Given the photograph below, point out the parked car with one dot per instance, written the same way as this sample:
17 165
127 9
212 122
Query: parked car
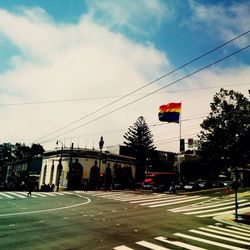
191 186
226 183
203 184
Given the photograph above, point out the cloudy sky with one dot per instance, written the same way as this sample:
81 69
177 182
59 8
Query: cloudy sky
77 70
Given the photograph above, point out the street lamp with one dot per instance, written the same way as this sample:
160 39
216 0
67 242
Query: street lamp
59 166
101 143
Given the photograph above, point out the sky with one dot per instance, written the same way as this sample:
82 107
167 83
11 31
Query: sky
77 70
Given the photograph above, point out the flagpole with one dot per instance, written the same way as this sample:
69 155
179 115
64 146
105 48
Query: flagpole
179 158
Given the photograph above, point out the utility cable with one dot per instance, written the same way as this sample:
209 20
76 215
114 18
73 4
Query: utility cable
157 79
109 97
151 93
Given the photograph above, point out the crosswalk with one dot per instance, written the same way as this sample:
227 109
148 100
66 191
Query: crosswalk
211 208
151 200
23 195
197 205
210 237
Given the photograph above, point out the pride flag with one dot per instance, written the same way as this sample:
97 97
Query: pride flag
170 112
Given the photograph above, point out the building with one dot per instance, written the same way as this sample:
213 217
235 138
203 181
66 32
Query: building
64 168
18 173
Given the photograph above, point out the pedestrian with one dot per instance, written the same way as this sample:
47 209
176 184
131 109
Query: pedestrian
94 177
30 187
85 186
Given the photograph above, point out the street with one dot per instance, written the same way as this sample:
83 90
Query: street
119 220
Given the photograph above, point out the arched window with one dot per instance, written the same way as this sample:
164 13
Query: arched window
52 172
44 173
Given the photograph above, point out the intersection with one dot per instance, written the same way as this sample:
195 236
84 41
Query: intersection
119 220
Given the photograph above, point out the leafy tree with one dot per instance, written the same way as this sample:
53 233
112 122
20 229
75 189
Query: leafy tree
140 141
224 139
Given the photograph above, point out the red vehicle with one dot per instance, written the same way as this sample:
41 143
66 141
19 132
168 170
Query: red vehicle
159 181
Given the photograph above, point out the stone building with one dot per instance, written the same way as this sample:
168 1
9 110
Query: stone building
67 169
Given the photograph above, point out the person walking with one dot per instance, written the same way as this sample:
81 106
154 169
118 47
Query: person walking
30 187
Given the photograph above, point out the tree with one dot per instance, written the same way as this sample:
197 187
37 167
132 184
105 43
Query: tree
140 141
224 139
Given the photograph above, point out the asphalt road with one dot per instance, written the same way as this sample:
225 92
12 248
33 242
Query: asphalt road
105 220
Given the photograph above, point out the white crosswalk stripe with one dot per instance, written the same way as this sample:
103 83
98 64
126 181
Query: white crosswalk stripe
7 195
122 248
179 244
19 195
23 195
222 237
151 245
149 199
211 208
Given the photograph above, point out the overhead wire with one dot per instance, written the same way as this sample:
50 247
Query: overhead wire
109 97
151 93
130 93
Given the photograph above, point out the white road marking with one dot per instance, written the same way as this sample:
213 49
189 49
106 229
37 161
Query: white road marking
226 212
123 248
209 242
169 200
49 210
151 245
239 229
224 233
18 195
210 210
177 202
220 237
192 208
6 195
163 199
229 230
179 244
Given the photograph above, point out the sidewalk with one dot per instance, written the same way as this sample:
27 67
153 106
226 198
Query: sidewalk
243 218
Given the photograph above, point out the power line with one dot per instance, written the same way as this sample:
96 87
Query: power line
151 93
109 97
157 79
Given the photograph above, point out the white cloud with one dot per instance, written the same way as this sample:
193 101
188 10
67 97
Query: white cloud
66 62
226 21
136 16
84 60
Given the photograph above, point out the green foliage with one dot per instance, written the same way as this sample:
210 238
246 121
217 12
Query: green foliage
226 131
140 141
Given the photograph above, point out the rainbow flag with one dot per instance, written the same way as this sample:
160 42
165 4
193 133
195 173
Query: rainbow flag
170 112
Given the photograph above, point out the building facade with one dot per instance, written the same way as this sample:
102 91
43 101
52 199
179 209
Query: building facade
69 168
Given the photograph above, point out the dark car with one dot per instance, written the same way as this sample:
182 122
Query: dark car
203 184
191 186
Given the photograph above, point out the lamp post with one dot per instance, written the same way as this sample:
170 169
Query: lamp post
59 166
101 143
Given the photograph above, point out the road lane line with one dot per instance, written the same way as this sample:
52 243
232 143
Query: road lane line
123 248
177 202
226 212
142 197
18 195
39 194
179 244
214 243
201 207
210 210
49 194
6 195
239 229
220 237
229 230
151 245
168 200
224 233
161 199
49 210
